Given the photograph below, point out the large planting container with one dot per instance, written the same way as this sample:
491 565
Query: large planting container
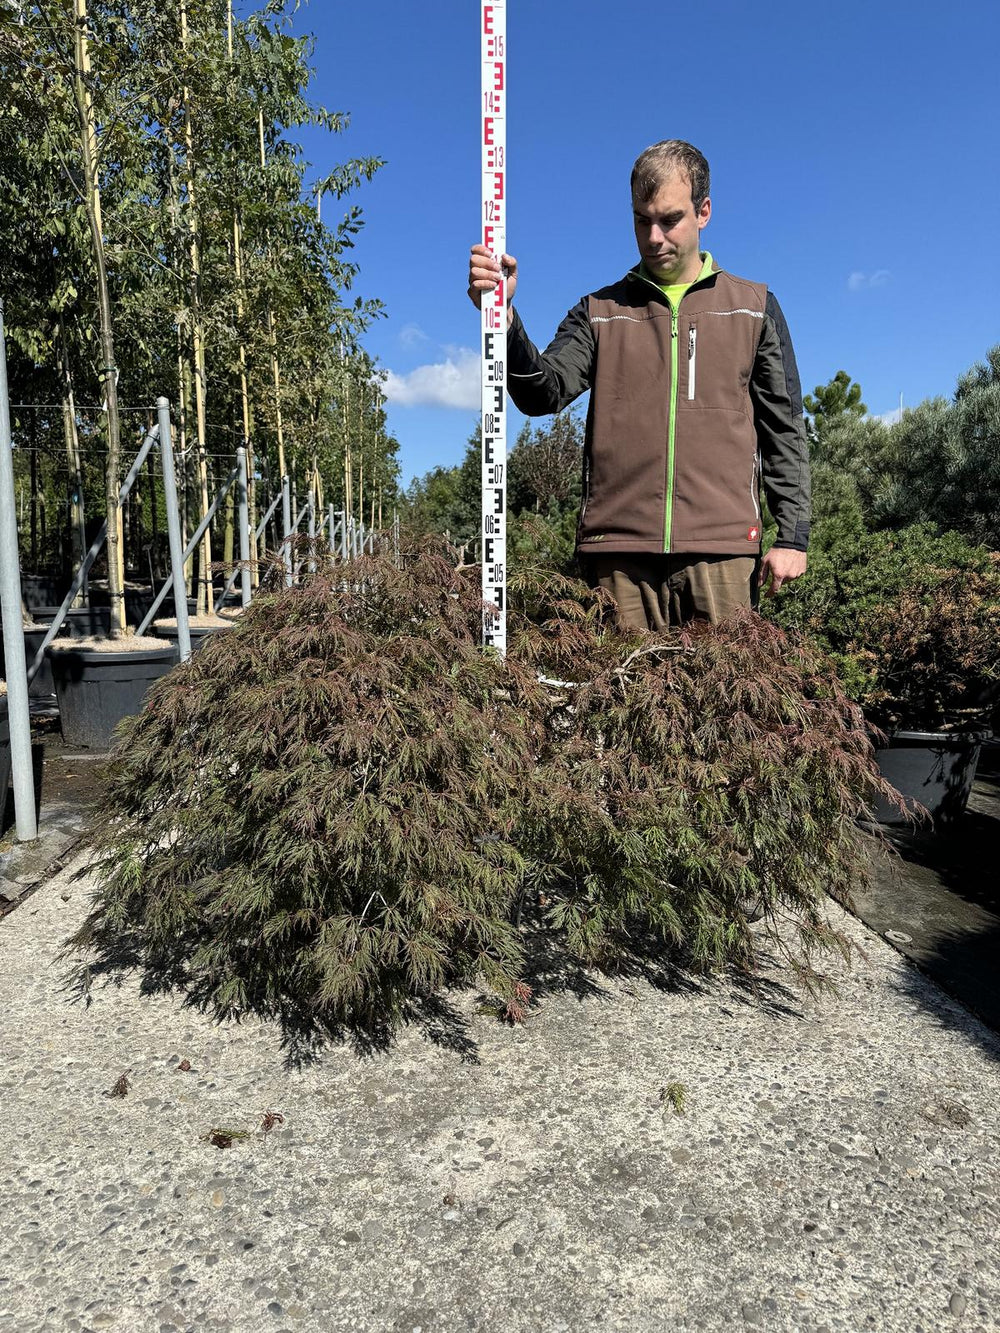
42 683
81 622
932 769
39 590
97 689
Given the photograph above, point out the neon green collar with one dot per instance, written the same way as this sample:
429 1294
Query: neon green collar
643 272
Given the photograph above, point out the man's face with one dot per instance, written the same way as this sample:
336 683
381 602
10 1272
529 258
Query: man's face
668 230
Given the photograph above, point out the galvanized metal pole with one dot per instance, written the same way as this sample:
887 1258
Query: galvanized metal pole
231 580
174 528
286 523
312 532
18 710
192 546
243 508
333 531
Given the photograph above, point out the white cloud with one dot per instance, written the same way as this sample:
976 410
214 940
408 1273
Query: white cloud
861 282
411 335
890 418
454 382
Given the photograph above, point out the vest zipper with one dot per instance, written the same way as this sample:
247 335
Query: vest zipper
692 354
668 512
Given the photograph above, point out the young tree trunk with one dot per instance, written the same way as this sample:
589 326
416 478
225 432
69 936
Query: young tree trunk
348 465
227 539
154 517
272 341
33 510
77 518
244 379
197 338
184 393
109 370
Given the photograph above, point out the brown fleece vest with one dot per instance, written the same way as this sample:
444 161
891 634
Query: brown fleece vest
702 494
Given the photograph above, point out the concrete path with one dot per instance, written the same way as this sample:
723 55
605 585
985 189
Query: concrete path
835 1166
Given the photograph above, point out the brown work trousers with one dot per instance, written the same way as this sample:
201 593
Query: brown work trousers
656 591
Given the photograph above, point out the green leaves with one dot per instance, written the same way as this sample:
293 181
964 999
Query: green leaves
912 620
296 272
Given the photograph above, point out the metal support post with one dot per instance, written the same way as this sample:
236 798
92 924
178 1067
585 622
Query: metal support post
333 532
231 581
18 709
189 549
286 534
243 508
173 529
312 532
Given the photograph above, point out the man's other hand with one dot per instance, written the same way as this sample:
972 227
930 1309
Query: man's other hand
780 565
484 274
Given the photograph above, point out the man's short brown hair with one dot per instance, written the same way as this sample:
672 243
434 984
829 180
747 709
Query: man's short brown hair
653 166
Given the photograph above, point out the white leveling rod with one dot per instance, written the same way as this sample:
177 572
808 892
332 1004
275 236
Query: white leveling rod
494 325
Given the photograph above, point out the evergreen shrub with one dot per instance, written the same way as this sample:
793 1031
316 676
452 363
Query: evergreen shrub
345 804
911 619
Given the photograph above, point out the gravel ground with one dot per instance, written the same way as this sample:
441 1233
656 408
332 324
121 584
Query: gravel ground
835 1165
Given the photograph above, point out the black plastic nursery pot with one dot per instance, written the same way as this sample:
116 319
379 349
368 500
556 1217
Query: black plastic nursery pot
932 769
81 622
95 690
42 682
39 590
139 601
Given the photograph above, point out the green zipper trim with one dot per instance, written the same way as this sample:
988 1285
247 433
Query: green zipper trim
668 511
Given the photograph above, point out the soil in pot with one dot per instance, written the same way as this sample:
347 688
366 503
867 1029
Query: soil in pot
100 681
932 769
202 628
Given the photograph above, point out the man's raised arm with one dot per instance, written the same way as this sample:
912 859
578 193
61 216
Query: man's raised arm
538 382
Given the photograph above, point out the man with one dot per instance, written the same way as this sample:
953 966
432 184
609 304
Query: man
695 402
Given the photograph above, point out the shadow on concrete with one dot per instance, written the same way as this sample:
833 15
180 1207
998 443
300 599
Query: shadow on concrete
117 954
941 905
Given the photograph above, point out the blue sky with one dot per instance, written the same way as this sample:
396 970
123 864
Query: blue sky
853 157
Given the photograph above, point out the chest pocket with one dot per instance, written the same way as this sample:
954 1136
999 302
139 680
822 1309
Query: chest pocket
718 349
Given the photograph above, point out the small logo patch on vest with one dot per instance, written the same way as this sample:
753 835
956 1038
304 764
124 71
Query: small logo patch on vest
753 534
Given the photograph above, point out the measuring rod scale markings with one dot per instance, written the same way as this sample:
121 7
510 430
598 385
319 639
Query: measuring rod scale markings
493 342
